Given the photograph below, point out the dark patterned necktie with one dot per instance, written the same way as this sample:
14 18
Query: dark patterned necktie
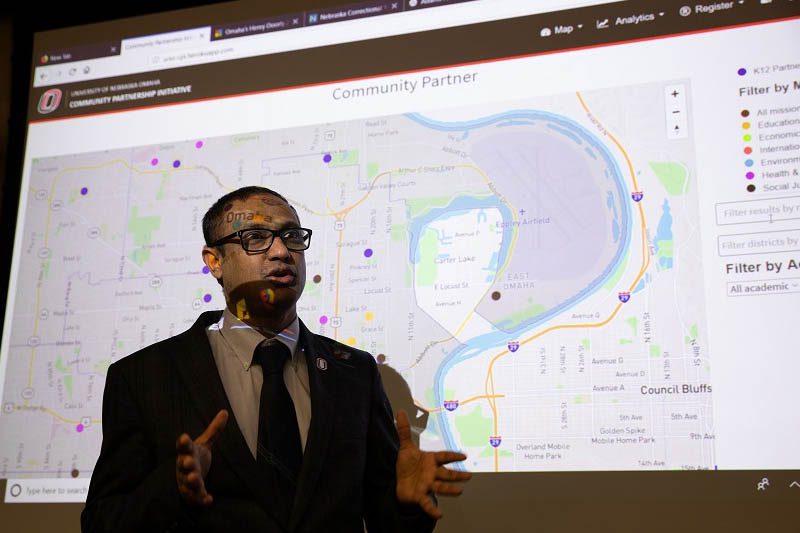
279 449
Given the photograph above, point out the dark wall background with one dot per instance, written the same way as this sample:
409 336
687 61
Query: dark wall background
6 38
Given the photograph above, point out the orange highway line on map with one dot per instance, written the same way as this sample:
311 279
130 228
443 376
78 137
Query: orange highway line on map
346 210
53 413
645 255
465 402
340 215
645 265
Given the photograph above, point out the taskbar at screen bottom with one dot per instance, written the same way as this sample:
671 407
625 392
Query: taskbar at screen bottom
558 487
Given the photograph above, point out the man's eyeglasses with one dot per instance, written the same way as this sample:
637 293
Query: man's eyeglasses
260 239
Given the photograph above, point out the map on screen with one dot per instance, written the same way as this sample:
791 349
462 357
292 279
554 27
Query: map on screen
494 255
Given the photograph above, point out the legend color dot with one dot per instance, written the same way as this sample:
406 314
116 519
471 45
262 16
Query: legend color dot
747 138
746 125
751 188
745 113
749 175
748 150
741 71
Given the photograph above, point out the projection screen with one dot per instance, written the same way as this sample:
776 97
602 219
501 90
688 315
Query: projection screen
569 232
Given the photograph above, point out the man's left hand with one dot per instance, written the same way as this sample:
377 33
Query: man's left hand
421 473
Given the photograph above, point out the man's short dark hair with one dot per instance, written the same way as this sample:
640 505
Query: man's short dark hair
213 217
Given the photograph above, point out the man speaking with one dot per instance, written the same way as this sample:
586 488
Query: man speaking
278 429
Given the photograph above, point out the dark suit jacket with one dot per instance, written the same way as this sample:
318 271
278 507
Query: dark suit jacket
173 386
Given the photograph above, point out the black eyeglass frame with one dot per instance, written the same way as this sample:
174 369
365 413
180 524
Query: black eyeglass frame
274 233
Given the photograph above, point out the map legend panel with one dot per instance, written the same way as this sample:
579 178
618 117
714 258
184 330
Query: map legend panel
770 121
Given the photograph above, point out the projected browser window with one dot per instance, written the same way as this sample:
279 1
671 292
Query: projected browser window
581 257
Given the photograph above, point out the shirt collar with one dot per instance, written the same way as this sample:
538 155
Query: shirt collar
243 338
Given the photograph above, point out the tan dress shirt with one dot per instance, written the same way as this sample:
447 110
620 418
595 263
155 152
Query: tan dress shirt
233 343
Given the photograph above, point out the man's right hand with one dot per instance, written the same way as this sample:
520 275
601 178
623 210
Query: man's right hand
194 461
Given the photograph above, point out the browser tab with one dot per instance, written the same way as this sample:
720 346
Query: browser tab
350 12
167 41
254 27
420 4
92 51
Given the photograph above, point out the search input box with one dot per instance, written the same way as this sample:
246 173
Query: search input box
759 243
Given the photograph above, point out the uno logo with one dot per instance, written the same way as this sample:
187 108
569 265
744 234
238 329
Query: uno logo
49 101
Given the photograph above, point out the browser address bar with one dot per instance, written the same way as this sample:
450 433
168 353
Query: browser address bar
193 47
194 56
359 30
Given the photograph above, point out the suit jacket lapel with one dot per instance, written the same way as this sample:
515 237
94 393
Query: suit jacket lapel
196 365
322 383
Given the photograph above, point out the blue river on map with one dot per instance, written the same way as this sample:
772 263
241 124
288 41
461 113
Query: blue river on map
498 339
